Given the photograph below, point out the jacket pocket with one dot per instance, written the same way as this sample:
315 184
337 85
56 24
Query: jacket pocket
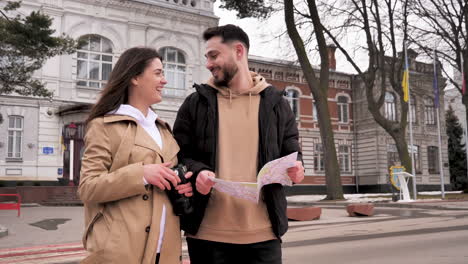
111 250
103 241
90 227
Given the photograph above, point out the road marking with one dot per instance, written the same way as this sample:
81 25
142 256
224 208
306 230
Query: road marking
43 254
47 254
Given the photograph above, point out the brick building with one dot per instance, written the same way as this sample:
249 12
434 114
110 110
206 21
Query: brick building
365 151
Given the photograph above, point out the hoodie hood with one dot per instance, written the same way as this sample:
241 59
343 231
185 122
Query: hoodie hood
259 84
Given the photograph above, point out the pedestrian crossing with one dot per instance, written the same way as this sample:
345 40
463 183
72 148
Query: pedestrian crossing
70 253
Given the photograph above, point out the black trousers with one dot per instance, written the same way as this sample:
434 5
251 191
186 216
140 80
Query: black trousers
209 252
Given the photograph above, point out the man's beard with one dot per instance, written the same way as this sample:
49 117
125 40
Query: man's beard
228 73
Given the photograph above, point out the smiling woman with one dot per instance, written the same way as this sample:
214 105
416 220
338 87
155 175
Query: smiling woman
126 168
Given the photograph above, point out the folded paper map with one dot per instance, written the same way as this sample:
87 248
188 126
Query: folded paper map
274 171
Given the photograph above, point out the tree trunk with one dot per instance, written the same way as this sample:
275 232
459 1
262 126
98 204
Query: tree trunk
403 154
319 89
332 168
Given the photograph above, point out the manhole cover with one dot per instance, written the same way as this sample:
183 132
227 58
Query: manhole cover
50 224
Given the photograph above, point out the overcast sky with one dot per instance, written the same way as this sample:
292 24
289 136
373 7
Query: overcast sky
261 33
264 41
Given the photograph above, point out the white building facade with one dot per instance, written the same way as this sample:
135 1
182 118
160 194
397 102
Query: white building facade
34 141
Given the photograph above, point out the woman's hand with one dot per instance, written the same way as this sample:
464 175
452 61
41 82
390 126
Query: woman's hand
186 189
160 175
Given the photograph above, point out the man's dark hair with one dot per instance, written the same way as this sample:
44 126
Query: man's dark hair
228 33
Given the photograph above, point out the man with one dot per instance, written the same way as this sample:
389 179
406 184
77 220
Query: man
228 129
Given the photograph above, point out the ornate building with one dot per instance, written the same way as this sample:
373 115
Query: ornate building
376 150
35 135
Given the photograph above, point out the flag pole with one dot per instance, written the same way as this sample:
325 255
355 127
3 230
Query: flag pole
410 125
436 102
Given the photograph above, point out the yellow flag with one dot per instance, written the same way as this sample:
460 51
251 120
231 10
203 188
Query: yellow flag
404 84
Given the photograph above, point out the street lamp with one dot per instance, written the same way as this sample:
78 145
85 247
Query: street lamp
71 129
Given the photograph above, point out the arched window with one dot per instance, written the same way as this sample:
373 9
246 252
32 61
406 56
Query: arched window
343 109
94 62
390 106
429 115
174 70
292 96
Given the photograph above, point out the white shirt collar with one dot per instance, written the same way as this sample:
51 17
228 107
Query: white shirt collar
128 110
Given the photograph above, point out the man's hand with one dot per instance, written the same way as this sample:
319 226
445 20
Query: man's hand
204 184
296 173
186 189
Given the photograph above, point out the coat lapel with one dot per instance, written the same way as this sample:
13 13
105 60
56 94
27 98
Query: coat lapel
170 146
143 139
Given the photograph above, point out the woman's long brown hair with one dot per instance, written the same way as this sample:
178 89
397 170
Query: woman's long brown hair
130 64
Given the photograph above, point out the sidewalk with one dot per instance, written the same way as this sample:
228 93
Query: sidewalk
45 235
379 200
51 234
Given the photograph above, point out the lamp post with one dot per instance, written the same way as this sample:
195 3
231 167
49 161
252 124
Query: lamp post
71 132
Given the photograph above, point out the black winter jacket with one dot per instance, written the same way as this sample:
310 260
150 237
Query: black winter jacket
196 131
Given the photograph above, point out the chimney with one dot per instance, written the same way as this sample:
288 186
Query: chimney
331 57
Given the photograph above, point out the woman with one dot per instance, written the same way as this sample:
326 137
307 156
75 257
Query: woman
126 169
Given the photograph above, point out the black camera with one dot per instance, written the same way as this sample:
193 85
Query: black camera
181 204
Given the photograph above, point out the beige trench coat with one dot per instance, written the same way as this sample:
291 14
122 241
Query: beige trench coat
122 215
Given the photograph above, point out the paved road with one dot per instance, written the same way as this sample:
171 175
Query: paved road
393 235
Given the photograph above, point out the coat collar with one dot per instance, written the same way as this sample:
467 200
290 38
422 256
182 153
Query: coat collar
118 118
142 138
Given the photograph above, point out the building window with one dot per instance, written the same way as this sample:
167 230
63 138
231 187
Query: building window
429 116
175 69
390 106
433 159
344 158
416 157
94 62
412 110
292 96
314 112
318 158
343 107
15 136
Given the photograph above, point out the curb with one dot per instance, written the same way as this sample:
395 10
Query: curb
29 205
420 206
3 231
377 204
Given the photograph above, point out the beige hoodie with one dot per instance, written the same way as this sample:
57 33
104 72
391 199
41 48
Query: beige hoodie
228 219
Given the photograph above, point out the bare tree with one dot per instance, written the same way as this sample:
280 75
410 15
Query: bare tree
377 21
318 86
319 89
443 24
